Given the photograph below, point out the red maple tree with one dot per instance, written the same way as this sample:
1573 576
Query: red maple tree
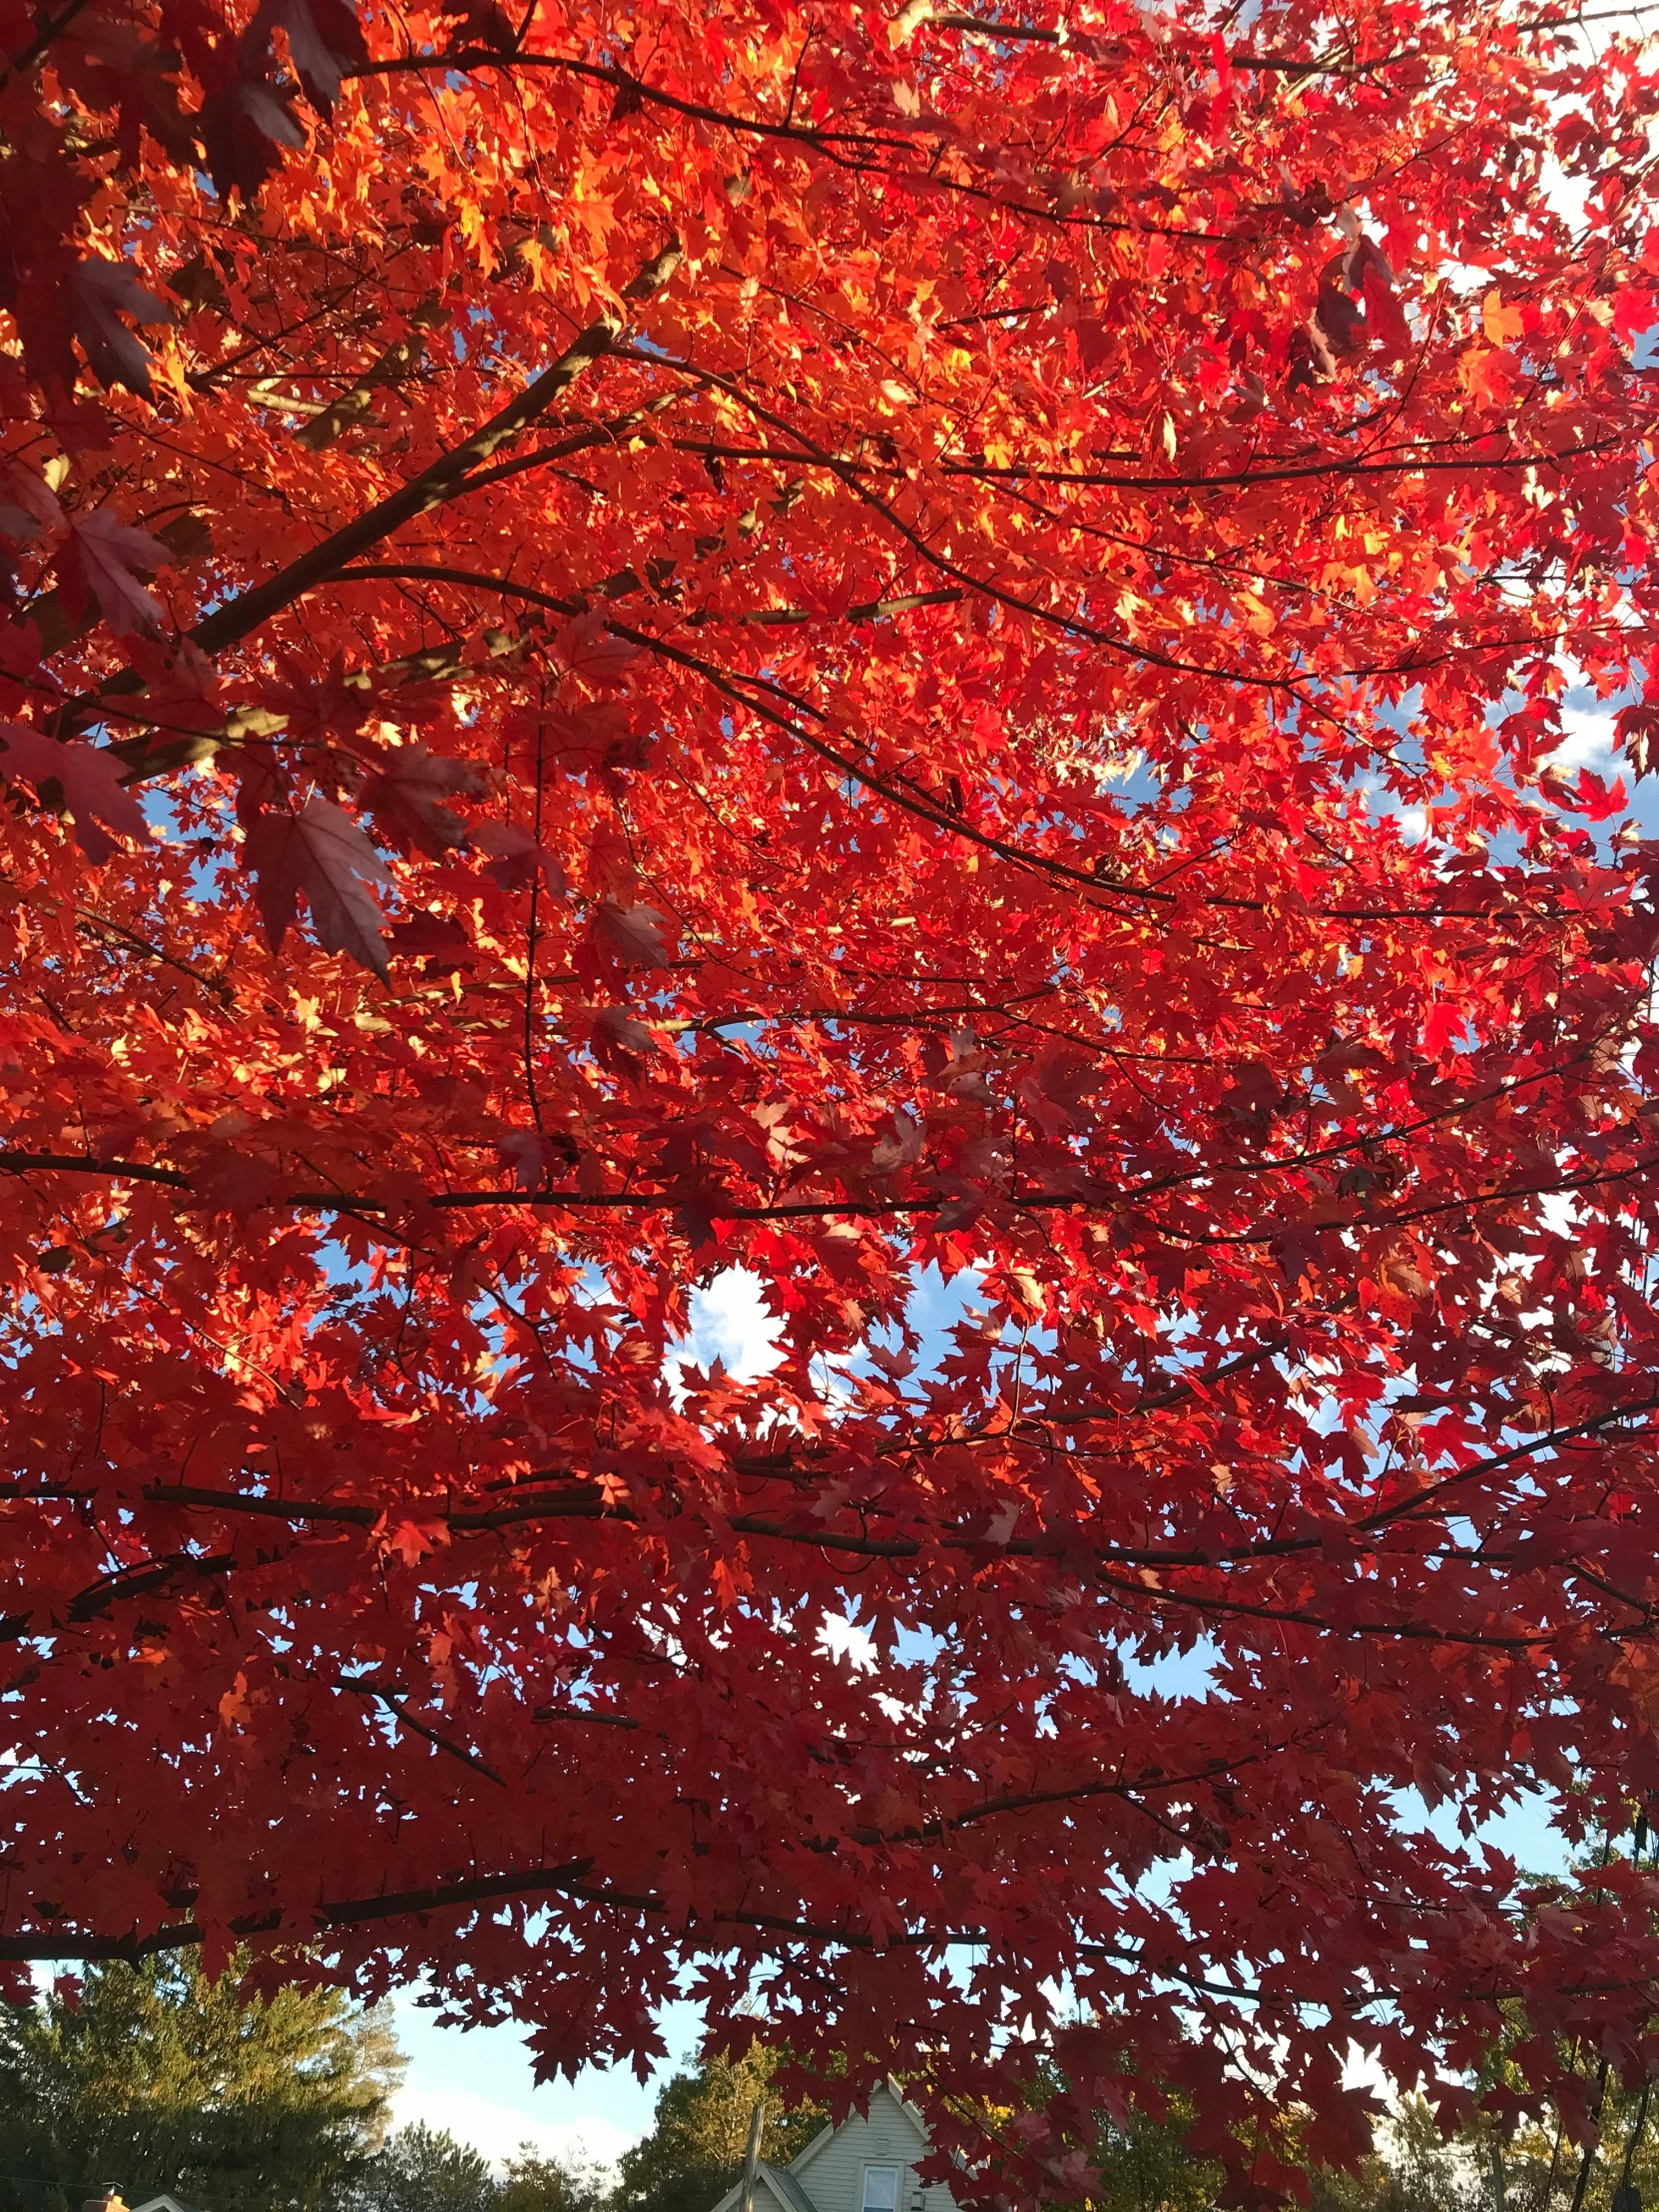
646 641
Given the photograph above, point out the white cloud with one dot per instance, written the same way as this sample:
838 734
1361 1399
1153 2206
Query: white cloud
1362 2069
731 1323
1560 1213
844 1639
1589 743
497 2130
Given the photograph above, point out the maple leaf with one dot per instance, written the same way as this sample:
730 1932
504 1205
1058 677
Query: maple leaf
1384 316
485 22
118 65
1401 1270
325 40
530 1156
318 854
1338 321
1056 1089
615 1026
88 777
412 1540
29 508
105 558
1637 729
1442 1029
105 291
589 651
234 1706
245 126
902 1149
601 734
518 859
437 939
405 795
635 935
1592 797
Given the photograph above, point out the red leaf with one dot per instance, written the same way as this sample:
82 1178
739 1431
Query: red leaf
323 37
244 125
1443 1028
1384 316
616 1026
1637 728
104 291
27 508
518 858
441 942
322 853
406 796
634 934
89 778
589 651
1593 798
105 557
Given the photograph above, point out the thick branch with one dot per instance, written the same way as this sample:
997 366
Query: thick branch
435 483
1099 1200
392 368
562 1880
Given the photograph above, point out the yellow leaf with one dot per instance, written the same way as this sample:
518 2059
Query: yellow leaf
1499 321
1257 613
1487 375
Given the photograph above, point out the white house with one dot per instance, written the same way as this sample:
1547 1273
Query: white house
865 2166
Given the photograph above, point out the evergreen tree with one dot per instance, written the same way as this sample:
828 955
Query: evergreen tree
425 2169
157 2079
534 2183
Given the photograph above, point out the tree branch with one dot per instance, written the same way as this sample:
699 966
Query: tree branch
392 368
436 483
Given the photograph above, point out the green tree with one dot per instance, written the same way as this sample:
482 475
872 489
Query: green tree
1539 2168
699 2131
533 2183
157 2078
1145 2166
425 2169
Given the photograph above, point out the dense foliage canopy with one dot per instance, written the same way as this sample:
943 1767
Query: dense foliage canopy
152 2078
839 643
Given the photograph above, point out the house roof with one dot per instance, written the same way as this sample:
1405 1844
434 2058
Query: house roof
787 2192
164 2203
784 2183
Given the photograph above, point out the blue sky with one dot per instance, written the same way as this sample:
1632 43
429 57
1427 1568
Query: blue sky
479 2083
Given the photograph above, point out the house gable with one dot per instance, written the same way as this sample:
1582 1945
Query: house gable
829 2175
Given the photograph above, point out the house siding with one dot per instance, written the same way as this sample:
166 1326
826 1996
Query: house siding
834 2177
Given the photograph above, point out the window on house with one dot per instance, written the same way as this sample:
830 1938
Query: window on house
881 2189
